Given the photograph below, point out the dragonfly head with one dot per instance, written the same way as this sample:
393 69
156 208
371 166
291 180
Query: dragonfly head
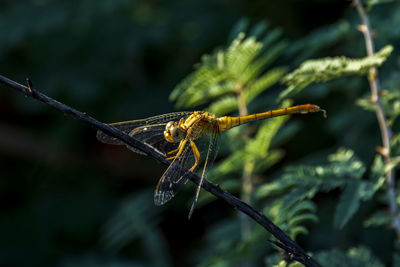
173 133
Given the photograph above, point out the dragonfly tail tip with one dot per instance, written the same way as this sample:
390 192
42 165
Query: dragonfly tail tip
324 113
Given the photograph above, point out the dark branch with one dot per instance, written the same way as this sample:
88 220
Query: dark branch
285 242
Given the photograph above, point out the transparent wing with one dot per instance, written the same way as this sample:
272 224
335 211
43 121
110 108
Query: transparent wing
150 131
174 176
211 153
128 126
209 160
152 135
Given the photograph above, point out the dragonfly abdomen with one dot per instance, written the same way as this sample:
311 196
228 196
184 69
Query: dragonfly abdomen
226 123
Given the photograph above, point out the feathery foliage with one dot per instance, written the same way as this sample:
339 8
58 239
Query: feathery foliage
241 66
136 220
288 198
244 70
322 181
344 170
322 70
219 79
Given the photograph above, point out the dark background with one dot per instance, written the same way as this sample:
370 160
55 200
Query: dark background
119 60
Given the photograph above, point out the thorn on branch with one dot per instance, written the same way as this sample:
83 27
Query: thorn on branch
373 99
383 151
29 87
362 28
287 253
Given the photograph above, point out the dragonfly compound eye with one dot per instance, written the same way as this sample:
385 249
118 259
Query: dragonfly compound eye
172 133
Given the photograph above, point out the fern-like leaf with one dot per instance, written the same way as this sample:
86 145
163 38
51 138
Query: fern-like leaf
239 67
322 70
390 101
344 170
348 204
355 257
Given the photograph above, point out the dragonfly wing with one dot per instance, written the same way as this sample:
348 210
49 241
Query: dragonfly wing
125 126
152 135
209 160
156 126
212 152
174 176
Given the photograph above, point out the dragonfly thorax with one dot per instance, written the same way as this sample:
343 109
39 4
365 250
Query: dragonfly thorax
173 133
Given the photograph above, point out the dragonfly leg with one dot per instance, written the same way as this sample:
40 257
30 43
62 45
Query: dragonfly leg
181 121
173 151
180 147
196 155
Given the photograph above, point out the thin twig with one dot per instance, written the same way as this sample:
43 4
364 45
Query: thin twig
295 250
386 132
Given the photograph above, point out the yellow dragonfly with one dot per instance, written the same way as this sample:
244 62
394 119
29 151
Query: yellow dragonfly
188 139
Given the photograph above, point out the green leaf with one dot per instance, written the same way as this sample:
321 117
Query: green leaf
274 188
380 218
299 194
371 3
281 264
271 37
224 105
355 257
296 230
300 183
393 163
365 103
263 82
262 164
228 104
136 218
301 218
364 255
320 39
395 145
377 178
348 204
390 102
322 70
302 206
230 165
258 29
258 66
241 26
259 146
221 75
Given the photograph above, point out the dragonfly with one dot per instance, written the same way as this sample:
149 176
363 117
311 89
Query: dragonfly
188 139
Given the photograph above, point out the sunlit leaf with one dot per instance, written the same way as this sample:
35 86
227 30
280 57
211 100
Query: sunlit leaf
322 70
380 218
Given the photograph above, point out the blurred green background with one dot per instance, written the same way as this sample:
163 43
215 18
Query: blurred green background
68 200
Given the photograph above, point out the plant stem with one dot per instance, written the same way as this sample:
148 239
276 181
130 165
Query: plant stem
241 98
365 28
247 184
